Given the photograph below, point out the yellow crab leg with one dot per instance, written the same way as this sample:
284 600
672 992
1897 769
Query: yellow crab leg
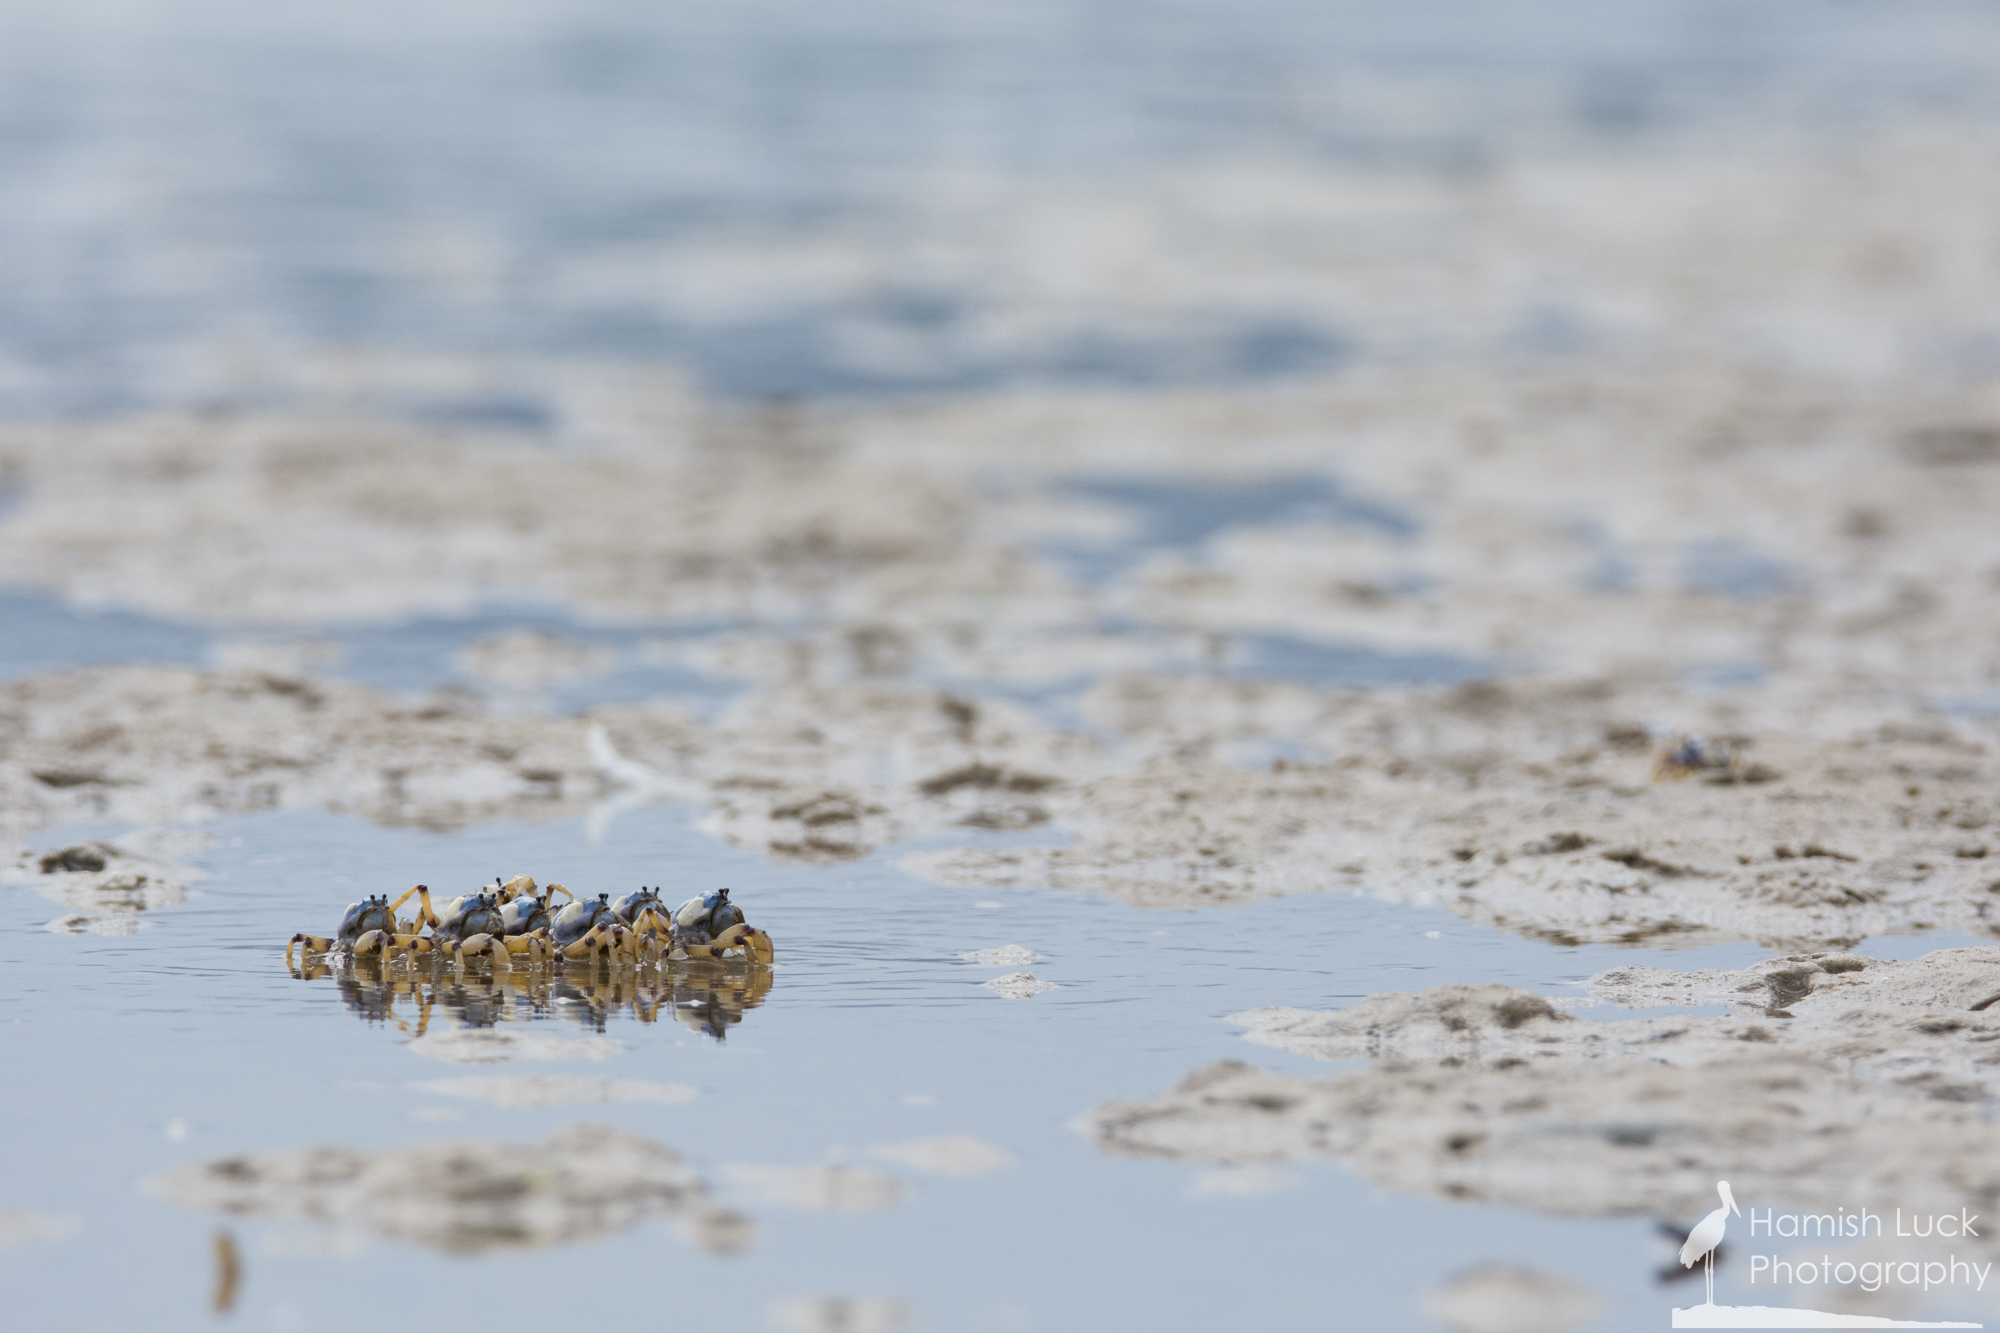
699 952
314 944
536 946
393 907
516 887
590 946
416 945
651 919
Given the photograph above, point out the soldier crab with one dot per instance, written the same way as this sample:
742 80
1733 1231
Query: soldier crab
512 919
366 927
708 924
503 919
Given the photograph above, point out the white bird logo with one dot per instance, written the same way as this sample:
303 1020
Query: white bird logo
1707 1234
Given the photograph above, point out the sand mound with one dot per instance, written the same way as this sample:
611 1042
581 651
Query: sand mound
460 1196
1836 1081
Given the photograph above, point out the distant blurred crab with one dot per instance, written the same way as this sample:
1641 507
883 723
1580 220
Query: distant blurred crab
1714 761
513 920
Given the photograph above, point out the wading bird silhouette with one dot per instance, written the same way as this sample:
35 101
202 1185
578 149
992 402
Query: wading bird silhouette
1707 1234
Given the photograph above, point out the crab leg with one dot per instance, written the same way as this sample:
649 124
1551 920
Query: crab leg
417 945
756 945
717 953
587 947
429 914
535 946
393 907
596 942
314 944
652 919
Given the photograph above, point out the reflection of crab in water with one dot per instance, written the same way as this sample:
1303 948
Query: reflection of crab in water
707 1000
513 920
713 1004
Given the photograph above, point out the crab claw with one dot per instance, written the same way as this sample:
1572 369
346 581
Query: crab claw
493 946
309 945
755 944
372 942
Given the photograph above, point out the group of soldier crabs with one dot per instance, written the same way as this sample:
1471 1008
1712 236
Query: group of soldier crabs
513 918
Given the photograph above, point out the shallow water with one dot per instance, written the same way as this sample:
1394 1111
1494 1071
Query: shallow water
189 1040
